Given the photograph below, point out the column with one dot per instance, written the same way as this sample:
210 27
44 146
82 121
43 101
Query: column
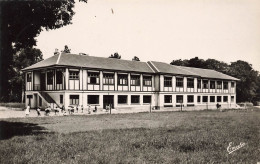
101 81
66 79
216 86
116 82
115 100
101 100
161 83
32 80
208 86
184 84
195 85
129 82
174 83
54 81
141 82
80 79
128 99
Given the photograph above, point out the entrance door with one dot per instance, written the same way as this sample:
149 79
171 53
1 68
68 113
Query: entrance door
108 100
42 81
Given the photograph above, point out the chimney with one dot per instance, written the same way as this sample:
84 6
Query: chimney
56 51
83 54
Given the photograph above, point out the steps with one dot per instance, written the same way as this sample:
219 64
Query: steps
47 98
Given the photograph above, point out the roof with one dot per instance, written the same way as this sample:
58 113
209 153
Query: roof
161 67
75 60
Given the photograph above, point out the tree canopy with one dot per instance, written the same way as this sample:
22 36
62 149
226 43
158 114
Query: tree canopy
115 55
135 58
20 23
66 49
249 85
22 59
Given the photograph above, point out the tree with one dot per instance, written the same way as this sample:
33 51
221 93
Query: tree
135 58
180 62
66 49
115 55
21 22
22 59
248 84
196 62
216 65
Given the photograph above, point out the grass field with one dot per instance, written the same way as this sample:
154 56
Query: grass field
166 137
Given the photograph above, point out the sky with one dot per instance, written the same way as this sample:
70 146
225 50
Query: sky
161 30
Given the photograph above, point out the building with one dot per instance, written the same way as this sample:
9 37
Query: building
71 79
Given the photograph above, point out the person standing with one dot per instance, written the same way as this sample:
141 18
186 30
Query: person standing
27 111
56 109
77 108
89 110
62 109
82 108
38 111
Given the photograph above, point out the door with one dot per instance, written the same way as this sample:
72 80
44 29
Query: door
42 81
108 100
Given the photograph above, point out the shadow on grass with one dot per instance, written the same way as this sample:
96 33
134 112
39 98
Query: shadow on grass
11 129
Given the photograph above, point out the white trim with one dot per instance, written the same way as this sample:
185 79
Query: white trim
154 67
58 59
150 67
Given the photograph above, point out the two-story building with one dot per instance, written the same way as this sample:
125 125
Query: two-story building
71 79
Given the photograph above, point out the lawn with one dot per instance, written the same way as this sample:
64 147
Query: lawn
165 137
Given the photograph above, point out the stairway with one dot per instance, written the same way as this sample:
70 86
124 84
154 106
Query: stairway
47 98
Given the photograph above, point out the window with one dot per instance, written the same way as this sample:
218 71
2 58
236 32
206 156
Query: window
205 98
74 75
135 80
147 80
29 77
232 84
190 98
74 99
61 99
167 81
93 99
49 78
212 84
219 84
232 99
93 77
225 85
167 98
219 98
122 99
225 99
199 84
108 79
58 77
179 82
198 99
122 80
205 84
147 99
135 99
212 98
179 99
190 83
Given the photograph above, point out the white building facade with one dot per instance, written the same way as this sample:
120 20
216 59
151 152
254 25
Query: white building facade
71 80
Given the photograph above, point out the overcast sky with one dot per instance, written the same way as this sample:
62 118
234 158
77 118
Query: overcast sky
161 30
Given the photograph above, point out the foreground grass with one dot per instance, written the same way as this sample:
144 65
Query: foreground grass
172 137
